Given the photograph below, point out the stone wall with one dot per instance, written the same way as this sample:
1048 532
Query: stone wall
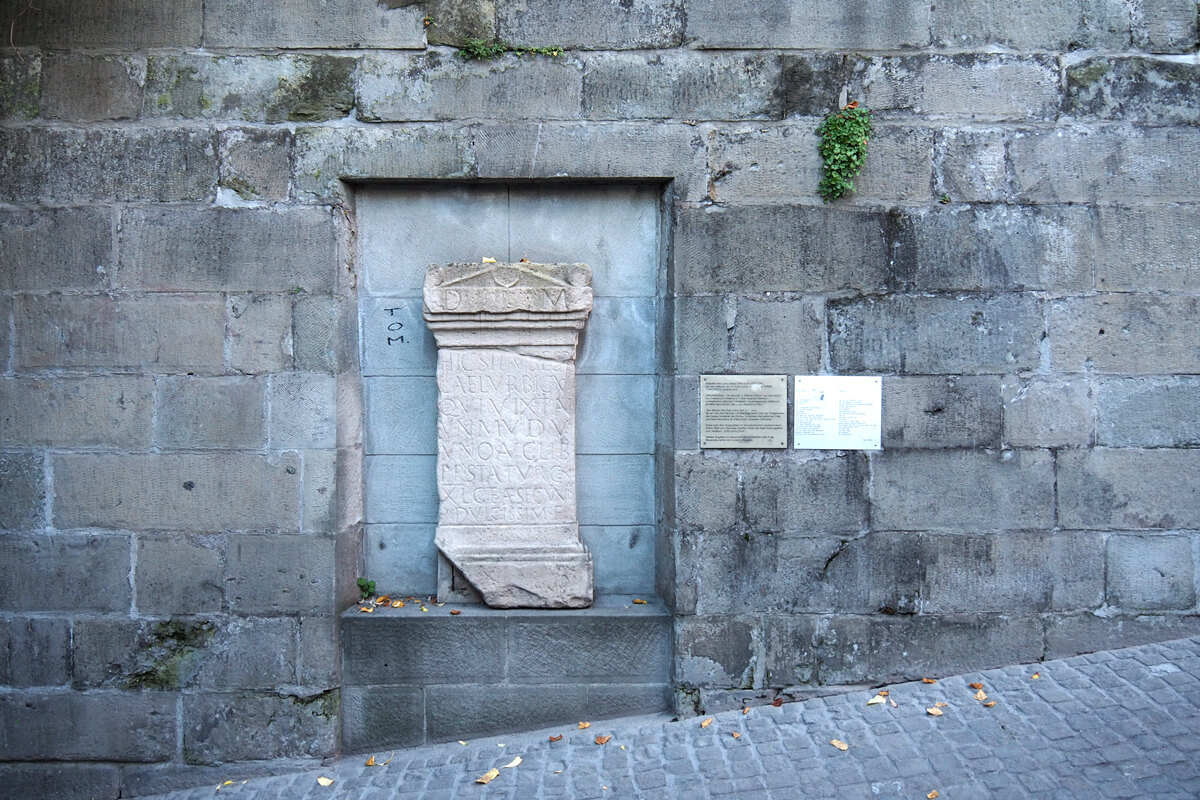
180 440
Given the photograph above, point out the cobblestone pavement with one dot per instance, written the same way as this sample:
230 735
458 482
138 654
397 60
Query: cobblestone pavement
1123 723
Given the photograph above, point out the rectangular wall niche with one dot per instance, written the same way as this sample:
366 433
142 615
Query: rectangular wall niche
615 229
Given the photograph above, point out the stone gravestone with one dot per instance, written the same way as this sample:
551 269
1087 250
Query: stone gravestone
506 337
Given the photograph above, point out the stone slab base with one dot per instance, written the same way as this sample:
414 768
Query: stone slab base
412 677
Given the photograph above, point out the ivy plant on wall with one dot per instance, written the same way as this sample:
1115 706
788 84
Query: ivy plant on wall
843 148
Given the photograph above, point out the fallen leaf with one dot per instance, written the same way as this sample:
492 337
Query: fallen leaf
989 704
439 605
226 783
928 680
893 702
390 757
735 734
460 741
934 795
516 762
488 776
603 739
325 781
745 710
884 692
1035 676
622 747
777 702
367 609
584 725
557 738
934 712
706 722
423 608
975 685
370 762
487 260
839 744
637 601
980 696
877 701
524 261
383 601
454 612
397 604
941 704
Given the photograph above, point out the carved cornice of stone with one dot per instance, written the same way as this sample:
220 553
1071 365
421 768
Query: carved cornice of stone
523 288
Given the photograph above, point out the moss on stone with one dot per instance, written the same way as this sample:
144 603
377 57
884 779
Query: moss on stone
165 657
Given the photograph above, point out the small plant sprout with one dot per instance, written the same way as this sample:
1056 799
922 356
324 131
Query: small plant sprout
843 149
366 587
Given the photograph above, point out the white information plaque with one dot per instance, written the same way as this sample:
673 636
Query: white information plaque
746 411
836 412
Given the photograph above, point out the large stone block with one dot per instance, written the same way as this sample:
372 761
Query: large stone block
22 491
963 489
612 649
615 490
260 332
66 165
76 412
62 781
81 88
1148 412
681 85
402 558
313 23
1016 571
35 651
279 574
437 85
254 88
458 712
64 24
401 415
178 574
971 165
614 414
58 249
1148 249
620 337
452 22
244 726
995 248
249 654
210 413
702 326
1168 26
1151 573
394 647
1068 635
303 410
749 249
228 250
326 154
88 727
622 558
592 25
706 493
914 335
20 86
254 164
810 494
1128 489
319 662
401 489
324 331
1029 25
153 332
716 651
1124 334
319 493
382 716
1109 164
941 412
70 572
1144 89
177 491
795 24
1044 412
778 335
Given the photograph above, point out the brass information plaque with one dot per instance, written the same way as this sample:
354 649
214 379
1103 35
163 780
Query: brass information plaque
748 411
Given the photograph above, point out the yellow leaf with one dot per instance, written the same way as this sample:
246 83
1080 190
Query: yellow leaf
325 781
397 604
460 741
557 738
423 608
603 739
989 704
735 735
928 680
877 701
745 710
584 725
639 602
370 762
1035 675
367 609
516 762
383 601
941 704
883 692
934 795
487 260
839 744
390 757
975 685
706 722
227 783
980 696
934 712
488 776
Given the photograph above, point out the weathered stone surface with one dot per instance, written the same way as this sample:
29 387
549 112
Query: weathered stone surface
22 491
979 489
323 333
249 654
176 491
1029 25
1150 90
615 414
1109 164
279 574
1016 571
455 21
64 24
616 490
811 494
228 249
941 412
260 333
35 651
179 574
1124 334
456 712
1151 573
750 248
588 649
62 781
319 493
716 651
76 412
210 413
401 489
319 664
1148 248
1068 635
707 493
1168 26
584 25
1147 412
812 82
65 248
914 335
389 650
681 85
623 558
796 24
254 88
87 571
65 165
404 553
778 335
702 326
255 163
240 727
1044 412
313 23
620 337
971 165
1128 489
303 410
88 727
382 716
92 88
437 85
402 415
20 86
